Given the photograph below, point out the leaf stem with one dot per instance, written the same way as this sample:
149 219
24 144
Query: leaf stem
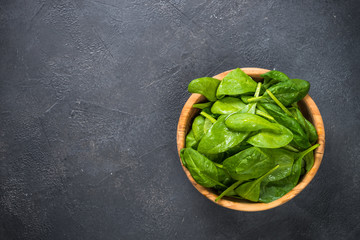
279 103
263 114
302 154
229 189
258 88
252 106
290 148
255 99
213 120
218 165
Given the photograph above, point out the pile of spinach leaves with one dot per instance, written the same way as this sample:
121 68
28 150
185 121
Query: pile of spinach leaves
250 140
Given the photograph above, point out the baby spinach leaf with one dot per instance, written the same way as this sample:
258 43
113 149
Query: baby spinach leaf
198 127
300 139
182 156
202 105
313 137
202 169
229 191
238 148
284 159
206 86
309 161
216 158
289 91
227 105
251 107
271 191
219 138
268 138
190 141
236 83
308 128
248 164
249 122
273 77
251 190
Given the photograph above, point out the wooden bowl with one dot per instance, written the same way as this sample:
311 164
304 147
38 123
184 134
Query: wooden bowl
309 110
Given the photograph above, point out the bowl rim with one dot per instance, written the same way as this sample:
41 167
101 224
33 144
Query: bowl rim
307 102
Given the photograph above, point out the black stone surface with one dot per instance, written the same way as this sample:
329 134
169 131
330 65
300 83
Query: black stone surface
91 92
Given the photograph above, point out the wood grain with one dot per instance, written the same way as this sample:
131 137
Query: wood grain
310 111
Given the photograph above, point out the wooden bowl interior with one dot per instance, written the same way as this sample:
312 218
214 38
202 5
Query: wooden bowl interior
309 110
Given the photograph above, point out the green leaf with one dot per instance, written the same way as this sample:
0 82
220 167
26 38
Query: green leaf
206 86
227 105
249 122
202 105
248 164
313 137
203 170
219 138
198 127
268 138
182 156
284 159
308 128
236 83
251 190
190 141
229 191
309 161
290 91
273 77
273 190
300 139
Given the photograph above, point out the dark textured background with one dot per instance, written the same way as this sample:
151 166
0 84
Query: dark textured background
91 92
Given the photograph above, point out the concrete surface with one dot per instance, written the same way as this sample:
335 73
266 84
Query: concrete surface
90 95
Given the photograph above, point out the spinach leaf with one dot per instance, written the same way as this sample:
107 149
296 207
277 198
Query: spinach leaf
248 122
198 127
305 124
238 148
273 77
216 158
272 190
227 105
203 170
309 161
206 86
202 105
182 151
190 141
313 137
268 138
300 139
284 159
229 191
251 190
219 138
248 164
236 83
289 91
